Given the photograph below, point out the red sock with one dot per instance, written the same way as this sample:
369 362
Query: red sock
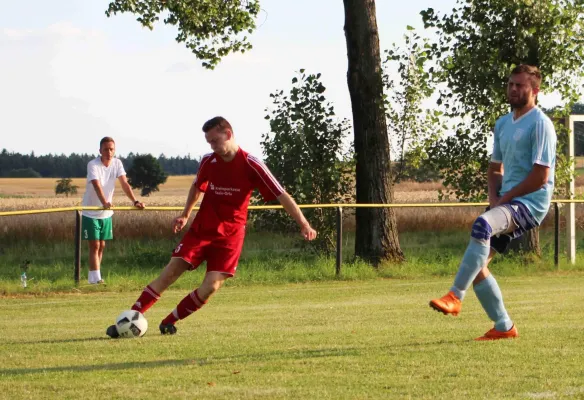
191 303
146 300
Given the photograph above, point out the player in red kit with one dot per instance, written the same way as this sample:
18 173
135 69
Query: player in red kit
227 177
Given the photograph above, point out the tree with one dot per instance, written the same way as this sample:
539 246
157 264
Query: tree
23 173
412 128
305 150
65 186
221 21
146 174
211 29
376 238
477 46
578 108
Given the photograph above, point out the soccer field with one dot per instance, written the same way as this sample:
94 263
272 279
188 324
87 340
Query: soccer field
337 340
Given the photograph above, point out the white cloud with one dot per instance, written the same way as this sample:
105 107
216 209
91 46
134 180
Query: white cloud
66 29
16 33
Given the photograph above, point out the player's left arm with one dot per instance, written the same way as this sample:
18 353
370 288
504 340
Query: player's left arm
543 150
296 213
535 180
128 191
270 189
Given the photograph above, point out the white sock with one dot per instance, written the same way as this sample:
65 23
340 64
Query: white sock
94 276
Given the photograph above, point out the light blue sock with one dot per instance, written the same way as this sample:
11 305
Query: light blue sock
475 257
491 299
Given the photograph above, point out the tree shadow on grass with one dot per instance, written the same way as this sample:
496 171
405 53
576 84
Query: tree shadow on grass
296 354
56 341
94 368
279 355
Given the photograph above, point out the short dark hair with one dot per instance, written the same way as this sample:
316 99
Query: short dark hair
217 122
532 70
106 139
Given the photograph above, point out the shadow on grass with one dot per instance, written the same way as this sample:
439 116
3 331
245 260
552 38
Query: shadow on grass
254 357
56 341
291 355
93 368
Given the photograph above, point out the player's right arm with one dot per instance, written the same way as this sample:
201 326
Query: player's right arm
495 180
495 171
197 188
100 195
192 198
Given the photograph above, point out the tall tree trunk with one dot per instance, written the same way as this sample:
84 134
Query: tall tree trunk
527 243
376 232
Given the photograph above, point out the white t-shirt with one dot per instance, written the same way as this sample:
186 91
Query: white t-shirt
106 177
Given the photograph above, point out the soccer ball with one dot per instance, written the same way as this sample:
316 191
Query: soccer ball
131 324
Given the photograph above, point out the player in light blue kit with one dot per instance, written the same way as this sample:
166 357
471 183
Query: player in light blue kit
520 185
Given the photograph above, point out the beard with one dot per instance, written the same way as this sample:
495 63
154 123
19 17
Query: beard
517 102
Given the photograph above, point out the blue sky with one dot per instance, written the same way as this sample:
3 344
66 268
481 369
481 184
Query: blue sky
69 75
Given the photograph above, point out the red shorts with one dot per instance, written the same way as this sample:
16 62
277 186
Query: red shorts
222 254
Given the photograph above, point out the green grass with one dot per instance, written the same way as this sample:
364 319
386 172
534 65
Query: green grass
327 340
128 265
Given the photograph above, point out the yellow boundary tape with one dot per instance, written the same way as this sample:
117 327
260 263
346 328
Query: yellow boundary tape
275 207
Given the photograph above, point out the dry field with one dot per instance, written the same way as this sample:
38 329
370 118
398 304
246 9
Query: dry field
35 194
39 193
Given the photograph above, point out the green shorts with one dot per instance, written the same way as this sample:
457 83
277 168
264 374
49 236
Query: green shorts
96 229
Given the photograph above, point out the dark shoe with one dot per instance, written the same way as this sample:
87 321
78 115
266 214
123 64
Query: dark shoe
167 329
112 332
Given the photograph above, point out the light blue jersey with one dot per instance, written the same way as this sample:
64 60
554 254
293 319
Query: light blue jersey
521 143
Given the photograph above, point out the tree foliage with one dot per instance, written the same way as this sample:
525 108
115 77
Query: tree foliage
211 29
23 173
412 128
306 150
146 174
578 108
65 186
75 165
478 44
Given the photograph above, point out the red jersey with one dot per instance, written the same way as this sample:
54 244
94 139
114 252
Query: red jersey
228 187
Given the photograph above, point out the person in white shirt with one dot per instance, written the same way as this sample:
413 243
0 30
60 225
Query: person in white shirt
96 225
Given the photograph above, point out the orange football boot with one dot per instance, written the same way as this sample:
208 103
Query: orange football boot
494 334
449 304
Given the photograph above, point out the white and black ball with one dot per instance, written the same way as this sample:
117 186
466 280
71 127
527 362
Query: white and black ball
131 324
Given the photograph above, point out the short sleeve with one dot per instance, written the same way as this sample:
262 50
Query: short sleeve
264 180
543 143
202 179
92 172
120 171
497 155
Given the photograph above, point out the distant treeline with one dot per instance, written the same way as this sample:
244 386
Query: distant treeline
18 165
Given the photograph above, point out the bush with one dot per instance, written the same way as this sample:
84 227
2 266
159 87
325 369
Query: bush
65 187
305 151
